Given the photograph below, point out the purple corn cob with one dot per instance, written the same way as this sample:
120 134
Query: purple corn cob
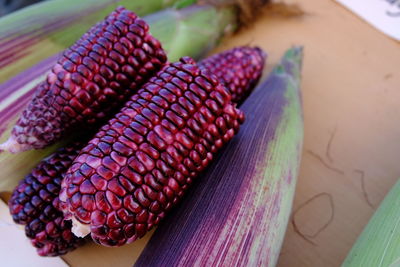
23 199
140 164
91 80
239 69
35 204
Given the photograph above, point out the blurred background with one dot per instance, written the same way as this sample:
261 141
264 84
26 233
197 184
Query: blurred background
8 6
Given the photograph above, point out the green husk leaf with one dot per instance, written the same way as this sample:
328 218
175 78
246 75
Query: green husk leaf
191 31
237 212
47 28
379 243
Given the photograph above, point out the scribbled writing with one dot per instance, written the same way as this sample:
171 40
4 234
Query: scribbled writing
394 9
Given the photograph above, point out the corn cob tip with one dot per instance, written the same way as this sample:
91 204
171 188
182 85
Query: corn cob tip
262 53
12 146
239 69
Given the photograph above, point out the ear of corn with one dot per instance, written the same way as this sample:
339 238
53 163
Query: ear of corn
237 213
141 163
183 37
90 81
379 243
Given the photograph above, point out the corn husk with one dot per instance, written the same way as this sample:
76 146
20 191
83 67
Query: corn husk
190 31
379 243
42 30
237 213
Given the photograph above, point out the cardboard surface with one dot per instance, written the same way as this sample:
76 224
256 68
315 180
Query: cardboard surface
351 97
91 255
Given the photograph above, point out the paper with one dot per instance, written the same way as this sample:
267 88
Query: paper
382 14
15 248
